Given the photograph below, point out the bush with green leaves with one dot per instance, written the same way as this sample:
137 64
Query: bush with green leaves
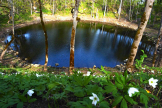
80 90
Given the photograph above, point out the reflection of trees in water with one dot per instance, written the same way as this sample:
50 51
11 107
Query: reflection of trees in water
111 43
115 38
25 48
124 45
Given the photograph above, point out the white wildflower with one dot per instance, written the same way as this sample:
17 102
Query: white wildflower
132 90
38 75
143 68
88 73
79 72
153 82
1 73
94 98
30 92
152 71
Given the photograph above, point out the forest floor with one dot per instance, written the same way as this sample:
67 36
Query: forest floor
10 59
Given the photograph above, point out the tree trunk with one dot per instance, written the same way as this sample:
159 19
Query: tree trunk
97 13
154 19
46 37
72 43
114 3
130 11
137 12
119 9
93 10
13 30
53 7
149 21
105 9
65 4
139 34
31 6
157 44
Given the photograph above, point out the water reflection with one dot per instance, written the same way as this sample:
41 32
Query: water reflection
96 44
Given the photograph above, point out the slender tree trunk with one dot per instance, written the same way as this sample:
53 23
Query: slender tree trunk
46 37
138 36
137 12
157 44
93 10
105 9
114 3
13 30
119 11
65 4
130 11
154 19
53 7
31 6
72 43
159 61
97 13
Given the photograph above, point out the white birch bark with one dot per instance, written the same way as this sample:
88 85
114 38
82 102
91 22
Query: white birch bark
72 43
119 11
130 11
53 11
139 34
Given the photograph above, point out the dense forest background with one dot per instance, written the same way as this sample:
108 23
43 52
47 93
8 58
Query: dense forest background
131 10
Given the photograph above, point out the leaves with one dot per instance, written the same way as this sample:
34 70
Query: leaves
32 100
144 99
22 98
130 100
64 88
110 88
53 85
79 92
20 105
106 72
123 104
117 100
104 104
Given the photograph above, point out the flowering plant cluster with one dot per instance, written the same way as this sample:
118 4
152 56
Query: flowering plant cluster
80 89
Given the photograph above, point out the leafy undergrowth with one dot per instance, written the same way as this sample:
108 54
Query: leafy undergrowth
28 89
49 90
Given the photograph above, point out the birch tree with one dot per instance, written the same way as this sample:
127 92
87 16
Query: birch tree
72 43
137 11
157 43
138 36
53 7
130 11
105 7
46 37
119 11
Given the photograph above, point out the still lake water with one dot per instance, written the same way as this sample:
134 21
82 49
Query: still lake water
95 44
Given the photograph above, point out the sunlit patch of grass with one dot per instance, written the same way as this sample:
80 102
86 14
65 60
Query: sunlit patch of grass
111 15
